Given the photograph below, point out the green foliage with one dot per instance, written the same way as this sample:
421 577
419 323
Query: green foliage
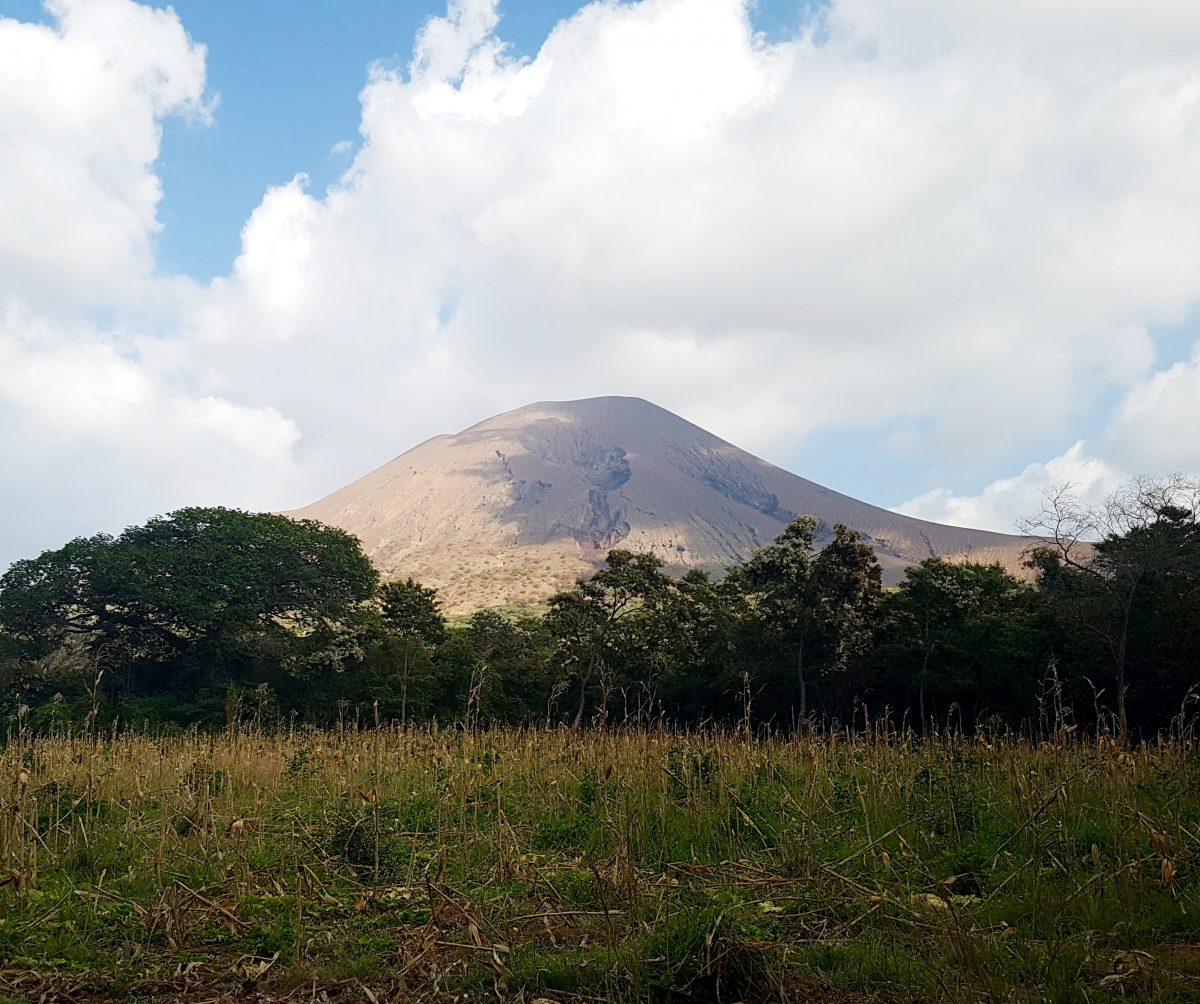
1125 575
608 630
402 656
818 607
197 591
956 636
411 610
220 618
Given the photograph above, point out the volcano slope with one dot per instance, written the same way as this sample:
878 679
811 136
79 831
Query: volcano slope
525 503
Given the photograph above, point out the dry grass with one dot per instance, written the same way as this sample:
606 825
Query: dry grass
397 864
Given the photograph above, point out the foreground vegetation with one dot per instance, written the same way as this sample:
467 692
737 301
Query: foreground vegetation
400 864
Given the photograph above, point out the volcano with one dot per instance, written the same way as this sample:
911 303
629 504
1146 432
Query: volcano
526 503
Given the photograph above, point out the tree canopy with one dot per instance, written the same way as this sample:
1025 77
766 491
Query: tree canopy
198 591
205 613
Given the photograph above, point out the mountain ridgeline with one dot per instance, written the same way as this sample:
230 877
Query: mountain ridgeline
524 504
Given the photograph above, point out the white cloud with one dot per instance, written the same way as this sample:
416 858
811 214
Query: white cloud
958 226
97 433
946 235
1150 433
1154 429
80 104
96 438
1001 504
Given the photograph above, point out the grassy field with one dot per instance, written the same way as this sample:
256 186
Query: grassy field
401 865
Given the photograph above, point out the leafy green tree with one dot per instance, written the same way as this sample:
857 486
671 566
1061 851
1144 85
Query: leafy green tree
778 579
491 638
494 668
1164 640
846 587
412 610
413 619
199 590
818 608
708 647
954 629
511 677
10 652
589 622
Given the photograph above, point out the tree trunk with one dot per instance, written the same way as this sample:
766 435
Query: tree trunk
921 689
803 687
1122 647
404 690
583 685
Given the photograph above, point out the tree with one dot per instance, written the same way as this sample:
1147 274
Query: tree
509 670
947 621
816 607
490 637
846 586
198 590
779 578
413 618
709 650
1097 559
493 668
586 621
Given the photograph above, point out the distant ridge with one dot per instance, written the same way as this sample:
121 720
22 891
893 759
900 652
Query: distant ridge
523 504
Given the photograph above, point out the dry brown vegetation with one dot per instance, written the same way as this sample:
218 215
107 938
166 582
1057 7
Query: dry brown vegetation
405 864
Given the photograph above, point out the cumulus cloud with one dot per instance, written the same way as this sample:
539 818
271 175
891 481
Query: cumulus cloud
957 227
870 228
95 432
1148 434
1001 504
80 109
1154 426
92 433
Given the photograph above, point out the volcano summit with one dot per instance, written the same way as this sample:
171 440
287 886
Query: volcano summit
523 504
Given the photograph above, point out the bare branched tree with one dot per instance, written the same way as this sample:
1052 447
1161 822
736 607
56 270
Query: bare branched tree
1112 547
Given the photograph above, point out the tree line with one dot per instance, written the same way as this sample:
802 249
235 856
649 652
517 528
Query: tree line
213 616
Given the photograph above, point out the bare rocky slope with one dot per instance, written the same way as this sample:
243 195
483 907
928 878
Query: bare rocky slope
526 503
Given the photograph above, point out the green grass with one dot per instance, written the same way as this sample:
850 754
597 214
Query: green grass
623 867
510 611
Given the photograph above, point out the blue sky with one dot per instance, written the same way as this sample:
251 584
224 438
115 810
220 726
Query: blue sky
934 259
